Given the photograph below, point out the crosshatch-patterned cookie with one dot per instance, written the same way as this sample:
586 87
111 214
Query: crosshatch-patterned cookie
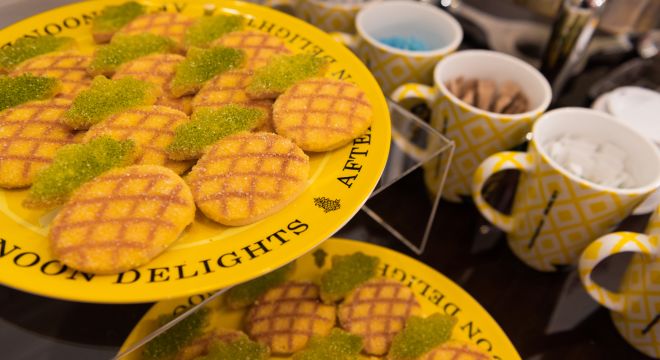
158 69
113 18
202 344
227 344
420 336
152 129
377 310
287 316
456 350
283 71
125 48
122 219
259 47
245 177
171 25
28 47
229 88
322 114
30 135
69 67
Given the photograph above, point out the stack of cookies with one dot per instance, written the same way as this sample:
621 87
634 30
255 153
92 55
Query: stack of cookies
170 114
351 312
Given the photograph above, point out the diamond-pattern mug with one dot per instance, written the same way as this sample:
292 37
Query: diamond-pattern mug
385 19
635 308
477 133
556 214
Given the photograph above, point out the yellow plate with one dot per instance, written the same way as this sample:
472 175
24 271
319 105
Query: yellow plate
435 292
208 256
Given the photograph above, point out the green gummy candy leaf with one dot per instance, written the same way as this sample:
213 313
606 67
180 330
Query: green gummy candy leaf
240 349
338 345
420 336
209 28
246 294
113 18
209 125
28 47
106 97
174 339
125 48
75 165
201 65
282 72
20 89
347 273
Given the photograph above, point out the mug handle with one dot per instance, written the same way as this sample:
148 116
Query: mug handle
501 161
603 248
415 91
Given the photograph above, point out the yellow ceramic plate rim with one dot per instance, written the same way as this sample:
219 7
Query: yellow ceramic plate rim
204 258
474 323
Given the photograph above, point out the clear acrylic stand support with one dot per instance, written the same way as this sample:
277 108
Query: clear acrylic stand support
419 157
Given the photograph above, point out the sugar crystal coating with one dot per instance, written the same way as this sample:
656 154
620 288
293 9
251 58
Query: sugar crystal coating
106 97
74 165
201 65
241 348
246 294
209 125
208 28
23 88
29 47
167 344
338 345
347 272
282 72
124 48
420 336
113 18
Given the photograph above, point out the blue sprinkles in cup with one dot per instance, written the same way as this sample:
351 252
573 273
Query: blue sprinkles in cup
405 43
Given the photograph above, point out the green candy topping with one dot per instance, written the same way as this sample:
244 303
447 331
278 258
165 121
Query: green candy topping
75 165
420 336
209 28
21 89
106 97
347 273
169 343
28 47
338 345
209 125
113 18
246 294
201 65
240 349
125 48
282 72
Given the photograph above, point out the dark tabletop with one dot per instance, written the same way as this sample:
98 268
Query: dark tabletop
546 315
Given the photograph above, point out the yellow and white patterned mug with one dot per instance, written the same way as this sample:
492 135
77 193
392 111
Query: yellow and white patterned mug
556 214
391 66
328 15
476 132
635 308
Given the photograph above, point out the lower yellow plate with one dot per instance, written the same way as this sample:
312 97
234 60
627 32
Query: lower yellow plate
208 256
435 292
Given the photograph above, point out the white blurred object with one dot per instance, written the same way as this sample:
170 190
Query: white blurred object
600 163
639 108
